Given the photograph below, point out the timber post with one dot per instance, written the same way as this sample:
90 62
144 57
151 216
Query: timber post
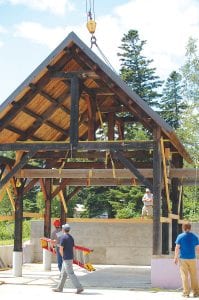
74 114
47 214
157 186
18 236
175 184
47 190
165 227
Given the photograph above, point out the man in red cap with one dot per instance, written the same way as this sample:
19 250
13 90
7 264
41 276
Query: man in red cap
55 236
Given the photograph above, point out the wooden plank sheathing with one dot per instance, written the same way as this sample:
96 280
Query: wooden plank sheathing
8 136
22 121
47 133
39 104
60 118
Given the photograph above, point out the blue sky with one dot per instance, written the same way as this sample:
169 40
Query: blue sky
31 29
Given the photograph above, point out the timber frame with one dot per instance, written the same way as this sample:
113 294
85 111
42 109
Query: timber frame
55 115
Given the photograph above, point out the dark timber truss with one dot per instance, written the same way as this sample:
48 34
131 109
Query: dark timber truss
55 117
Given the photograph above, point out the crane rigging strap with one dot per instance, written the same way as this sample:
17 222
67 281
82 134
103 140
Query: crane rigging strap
94 42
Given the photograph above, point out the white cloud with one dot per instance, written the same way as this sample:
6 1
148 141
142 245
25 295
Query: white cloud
59 7
40 34
165 25
51 37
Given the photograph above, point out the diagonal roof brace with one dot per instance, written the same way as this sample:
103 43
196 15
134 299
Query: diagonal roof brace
128 164
17 167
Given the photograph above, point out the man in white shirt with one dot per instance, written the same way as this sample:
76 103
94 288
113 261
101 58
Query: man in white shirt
147 199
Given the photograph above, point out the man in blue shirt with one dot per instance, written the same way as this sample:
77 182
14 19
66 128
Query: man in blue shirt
187 244
66 251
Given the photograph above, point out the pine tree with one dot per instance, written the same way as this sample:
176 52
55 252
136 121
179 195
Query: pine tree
189 130
172 104
190 72
136 71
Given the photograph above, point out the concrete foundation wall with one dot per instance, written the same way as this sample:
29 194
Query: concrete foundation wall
170 278
120 243
6 254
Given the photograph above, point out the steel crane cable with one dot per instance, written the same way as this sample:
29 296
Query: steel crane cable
91 26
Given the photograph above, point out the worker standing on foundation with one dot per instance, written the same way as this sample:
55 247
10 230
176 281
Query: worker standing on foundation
147 199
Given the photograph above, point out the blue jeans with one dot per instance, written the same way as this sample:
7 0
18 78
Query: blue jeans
59 258
67 271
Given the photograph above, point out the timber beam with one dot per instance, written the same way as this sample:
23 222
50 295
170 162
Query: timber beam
141 155
64 146
101 173
83 182
81 173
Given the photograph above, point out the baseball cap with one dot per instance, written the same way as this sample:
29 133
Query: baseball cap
57 223
66 227
147 190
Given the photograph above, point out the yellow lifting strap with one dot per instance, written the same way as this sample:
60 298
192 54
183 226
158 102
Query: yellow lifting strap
108 154
100 117
62 165
113 167
165 174
90 174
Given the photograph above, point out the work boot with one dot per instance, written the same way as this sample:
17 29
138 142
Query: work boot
57 290
80 290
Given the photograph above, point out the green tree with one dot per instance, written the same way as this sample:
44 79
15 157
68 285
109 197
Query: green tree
172 104
190 200
5 206
189 130
8 154
30 200
95 201
126 202
136 71
190 72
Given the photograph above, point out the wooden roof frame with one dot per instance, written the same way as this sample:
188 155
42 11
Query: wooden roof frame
57 109
115 83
